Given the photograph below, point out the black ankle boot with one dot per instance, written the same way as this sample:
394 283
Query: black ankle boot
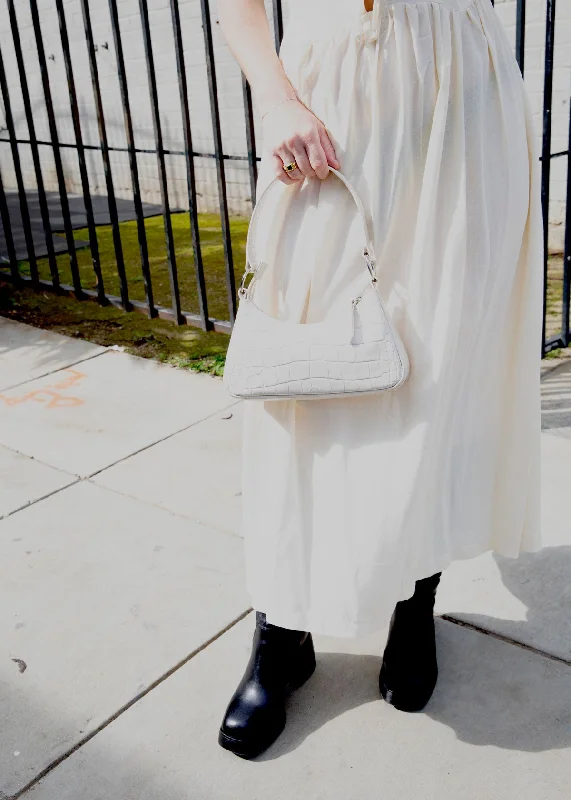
281 661
409 670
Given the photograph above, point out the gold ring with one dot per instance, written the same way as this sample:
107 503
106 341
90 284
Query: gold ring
290 167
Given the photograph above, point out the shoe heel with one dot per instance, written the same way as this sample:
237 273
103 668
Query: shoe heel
305 664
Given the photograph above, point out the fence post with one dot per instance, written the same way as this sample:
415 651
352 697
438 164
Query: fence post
54 136
104 147
24 211
141 233
546 147
190 172
93 243
219 153
42 200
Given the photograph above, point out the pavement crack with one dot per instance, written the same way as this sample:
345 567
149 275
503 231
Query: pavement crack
54 371
128 705
507 639
163 439
159 507
30 503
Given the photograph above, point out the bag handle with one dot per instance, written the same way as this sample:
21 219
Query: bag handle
252 265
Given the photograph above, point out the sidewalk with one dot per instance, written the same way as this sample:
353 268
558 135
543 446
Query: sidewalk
125 625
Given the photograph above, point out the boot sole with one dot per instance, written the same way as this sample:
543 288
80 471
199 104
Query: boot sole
252 749
239 747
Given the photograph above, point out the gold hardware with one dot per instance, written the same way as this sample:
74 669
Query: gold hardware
242 290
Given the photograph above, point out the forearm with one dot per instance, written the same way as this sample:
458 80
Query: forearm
245 26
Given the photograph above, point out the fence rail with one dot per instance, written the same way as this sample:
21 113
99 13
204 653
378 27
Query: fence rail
174 311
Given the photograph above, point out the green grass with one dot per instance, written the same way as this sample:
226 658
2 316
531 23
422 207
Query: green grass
181 346
554 299
212 255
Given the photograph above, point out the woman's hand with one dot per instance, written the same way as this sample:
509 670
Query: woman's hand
291 132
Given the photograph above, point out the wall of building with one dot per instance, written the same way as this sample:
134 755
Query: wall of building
230 96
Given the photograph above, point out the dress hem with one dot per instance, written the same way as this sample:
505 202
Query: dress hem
307 622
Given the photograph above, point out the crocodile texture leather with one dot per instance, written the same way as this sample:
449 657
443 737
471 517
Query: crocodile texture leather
357 350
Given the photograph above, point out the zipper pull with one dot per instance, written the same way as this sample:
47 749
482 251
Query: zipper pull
354 302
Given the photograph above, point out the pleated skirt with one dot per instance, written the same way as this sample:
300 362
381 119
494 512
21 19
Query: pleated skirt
348 501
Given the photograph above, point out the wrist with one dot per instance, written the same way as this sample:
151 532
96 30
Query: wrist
268 98
279 103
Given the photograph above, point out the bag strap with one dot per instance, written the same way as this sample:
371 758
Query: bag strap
252 264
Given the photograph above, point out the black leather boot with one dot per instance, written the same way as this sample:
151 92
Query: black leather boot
409 669
281 661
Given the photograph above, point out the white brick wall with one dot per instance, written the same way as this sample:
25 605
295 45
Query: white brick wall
230 95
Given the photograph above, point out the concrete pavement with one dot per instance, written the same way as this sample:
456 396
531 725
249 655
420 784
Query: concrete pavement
125 624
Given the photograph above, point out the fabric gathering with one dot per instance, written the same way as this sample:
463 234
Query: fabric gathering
348 501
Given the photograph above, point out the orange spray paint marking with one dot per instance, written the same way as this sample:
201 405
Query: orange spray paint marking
57 400
12 401
74 378
51 398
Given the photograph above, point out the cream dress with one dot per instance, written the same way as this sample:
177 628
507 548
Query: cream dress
348 501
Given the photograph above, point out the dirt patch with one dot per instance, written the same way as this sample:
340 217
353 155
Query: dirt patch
183 346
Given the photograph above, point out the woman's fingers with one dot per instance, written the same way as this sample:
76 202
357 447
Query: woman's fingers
293 133
286 156
317 156
312 151
279 171
302 160
328 148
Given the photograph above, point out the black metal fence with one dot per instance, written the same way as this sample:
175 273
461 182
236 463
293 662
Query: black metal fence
201 318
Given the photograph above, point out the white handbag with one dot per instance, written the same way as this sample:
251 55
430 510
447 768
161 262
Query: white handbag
355 351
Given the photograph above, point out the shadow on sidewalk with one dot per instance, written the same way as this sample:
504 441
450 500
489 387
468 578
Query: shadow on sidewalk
542 582
489 692
556 400
40 351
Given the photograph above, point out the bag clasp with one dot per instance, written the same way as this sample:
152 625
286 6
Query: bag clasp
371 263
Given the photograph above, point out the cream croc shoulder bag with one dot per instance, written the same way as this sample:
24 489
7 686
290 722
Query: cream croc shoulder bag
357 351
